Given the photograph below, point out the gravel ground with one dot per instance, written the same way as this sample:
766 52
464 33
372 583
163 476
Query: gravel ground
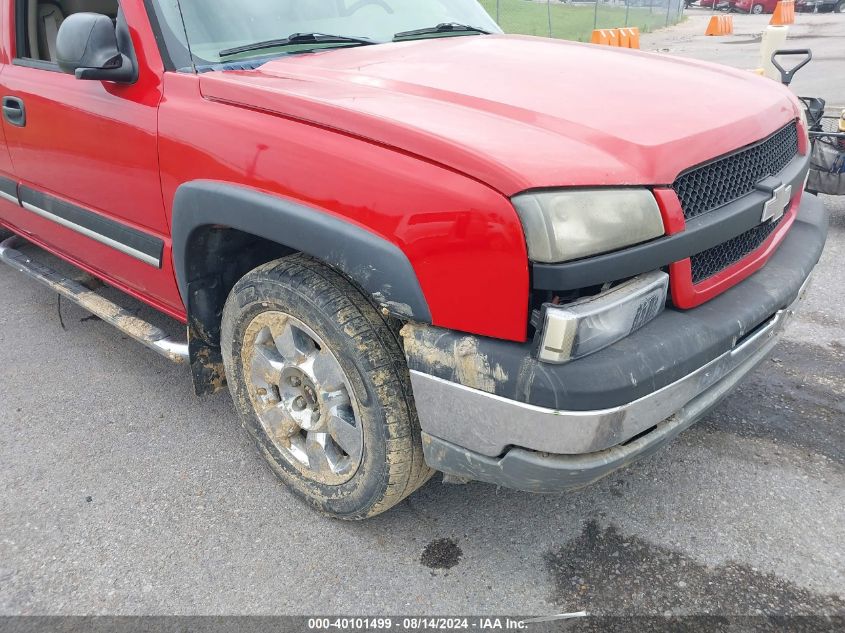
120 493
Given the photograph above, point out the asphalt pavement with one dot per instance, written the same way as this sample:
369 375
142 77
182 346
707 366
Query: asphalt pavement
822 33
122 493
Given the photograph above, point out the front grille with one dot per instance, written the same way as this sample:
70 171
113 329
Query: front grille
718 258
718 183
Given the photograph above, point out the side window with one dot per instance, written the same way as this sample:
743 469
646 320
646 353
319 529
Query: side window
37 24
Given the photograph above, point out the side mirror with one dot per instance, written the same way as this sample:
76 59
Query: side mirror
87 46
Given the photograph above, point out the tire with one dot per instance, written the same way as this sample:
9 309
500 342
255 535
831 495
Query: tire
757 9
4 234
305 424
839 8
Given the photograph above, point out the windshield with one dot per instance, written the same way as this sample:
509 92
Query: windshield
231 24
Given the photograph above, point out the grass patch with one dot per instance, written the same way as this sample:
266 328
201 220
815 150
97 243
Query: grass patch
572 22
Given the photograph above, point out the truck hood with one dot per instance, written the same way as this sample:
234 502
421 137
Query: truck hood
520 112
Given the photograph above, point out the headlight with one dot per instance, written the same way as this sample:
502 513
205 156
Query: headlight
564 225
588 325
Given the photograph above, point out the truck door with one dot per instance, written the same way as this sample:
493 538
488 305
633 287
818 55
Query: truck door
85 152
8 186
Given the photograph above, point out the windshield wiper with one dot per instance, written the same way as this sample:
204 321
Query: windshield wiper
295 39
445 27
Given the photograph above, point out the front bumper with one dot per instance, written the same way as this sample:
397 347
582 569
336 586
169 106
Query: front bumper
482 404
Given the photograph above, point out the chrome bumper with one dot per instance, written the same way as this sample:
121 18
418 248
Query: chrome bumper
487 424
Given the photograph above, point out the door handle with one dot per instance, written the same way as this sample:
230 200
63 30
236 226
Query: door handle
14 111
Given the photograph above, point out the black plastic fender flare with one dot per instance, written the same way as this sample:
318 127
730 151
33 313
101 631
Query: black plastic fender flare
379 267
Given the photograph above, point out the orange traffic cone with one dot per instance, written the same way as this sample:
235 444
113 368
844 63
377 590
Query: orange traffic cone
714 27
784 13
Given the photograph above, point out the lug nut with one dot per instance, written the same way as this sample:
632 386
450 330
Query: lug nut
295 382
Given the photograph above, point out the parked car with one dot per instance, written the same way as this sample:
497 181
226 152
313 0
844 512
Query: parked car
820 6
407 242
755 7
721 5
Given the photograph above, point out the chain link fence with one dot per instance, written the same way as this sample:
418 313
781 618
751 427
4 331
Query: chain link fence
576 19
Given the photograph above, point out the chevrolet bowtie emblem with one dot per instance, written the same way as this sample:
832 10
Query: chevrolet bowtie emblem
776 207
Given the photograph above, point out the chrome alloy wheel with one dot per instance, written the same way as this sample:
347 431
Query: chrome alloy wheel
302 398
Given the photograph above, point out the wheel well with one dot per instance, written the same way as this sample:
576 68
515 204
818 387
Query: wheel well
216 258
201 208
221 231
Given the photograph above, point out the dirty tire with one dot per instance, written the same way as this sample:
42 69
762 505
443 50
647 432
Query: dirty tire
368 351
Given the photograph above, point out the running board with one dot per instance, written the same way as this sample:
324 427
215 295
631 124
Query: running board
145 333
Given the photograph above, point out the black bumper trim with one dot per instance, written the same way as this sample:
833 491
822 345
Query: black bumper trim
533 471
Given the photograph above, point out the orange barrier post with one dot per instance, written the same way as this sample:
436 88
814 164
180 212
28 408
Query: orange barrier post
621 38
784 13
629 37
715 26
720 25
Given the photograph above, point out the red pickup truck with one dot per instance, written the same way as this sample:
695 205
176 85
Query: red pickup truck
407 242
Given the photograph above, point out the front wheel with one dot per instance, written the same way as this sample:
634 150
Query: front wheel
757 9
321 384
